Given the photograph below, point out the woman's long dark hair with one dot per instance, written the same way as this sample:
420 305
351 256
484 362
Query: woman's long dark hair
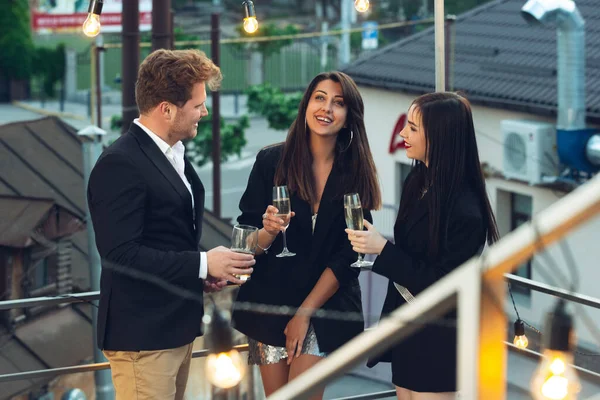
353 157
453 164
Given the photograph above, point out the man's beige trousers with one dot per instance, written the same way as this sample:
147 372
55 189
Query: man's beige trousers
145 375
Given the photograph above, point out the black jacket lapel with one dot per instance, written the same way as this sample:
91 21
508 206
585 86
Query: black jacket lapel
198 190
329 209
160 161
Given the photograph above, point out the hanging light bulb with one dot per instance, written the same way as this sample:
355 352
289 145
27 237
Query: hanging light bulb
225 367
91 26
520 339
250 22
225 370
555 378
361 5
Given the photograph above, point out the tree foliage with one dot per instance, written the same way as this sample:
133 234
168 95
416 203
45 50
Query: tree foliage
199 149
233 140
280 109
180 36
49 67
267 30
412 8
15 39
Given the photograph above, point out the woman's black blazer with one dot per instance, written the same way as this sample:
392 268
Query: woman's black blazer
426 361
287 281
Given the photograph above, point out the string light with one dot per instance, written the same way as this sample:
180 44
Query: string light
361 5
91 26
555 378
520 339
250 22
225 367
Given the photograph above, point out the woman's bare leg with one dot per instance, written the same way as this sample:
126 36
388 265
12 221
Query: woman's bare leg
274 376
301 364
403 394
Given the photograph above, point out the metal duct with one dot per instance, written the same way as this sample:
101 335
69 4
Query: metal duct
592 150
571 56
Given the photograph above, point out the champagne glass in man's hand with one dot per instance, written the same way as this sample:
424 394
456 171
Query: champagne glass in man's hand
244 239
224 264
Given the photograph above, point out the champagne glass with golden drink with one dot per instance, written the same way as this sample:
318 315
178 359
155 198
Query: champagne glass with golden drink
355 221
281 201
244 239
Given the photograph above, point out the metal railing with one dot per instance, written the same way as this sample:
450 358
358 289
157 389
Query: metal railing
537 287
62 300
554 291
477 289
91 296
52 372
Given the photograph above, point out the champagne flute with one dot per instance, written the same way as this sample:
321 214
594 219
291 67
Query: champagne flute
244 239
281 201
355 221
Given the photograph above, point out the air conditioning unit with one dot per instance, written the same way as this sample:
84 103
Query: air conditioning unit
529 150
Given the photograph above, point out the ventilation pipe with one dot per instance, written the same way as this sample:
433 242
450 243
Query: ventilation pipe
575 147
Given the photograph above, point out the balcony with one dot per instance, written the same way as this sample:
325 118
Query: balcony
475 289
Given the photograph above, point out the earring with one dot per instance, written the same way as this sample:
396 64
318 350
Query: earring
350 142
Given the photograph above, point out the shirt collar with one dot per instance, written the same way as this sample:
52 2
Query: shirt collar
178 148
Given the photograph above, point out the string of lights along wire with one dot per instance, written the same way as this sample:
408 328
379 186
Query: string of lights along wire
92 26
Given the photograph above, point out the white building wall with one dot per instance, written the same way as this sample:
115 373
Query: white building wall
382 109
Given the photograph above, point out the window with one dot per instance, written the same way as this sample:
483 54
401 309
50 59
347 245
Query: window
5 260
41 272
402 171
521 212
513 210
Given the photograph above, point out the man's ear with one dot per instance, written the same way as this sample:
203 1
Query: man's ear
166 109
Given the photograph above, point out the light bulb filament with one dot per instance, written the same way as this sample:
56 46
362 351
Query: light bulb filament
361 5
250 24
521 341
556 387
225 370
91 26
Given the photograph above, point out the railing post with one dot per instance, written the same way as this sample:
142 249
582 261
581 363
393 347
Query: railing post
215 55
91 151
491 363
468 331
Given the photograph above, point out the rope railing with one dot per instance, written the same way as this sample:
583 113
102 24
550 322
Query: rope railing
52 372
92 296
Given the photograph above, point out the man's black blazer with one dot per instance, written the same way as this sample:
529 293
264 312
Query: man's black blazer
147 238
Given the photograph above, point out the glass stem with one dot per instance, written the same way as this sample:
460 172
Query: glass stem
285 249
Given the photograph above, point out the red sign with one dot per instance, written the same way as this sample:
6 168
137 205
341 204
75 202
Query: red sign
396 141
53 22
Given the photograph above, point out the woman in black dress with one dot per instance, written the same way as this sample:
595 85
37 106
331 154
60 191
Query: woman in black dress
326 155
444 219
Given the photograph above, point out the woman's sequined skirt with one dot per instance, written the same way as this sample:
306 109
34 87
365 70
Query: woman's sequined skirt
262 354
